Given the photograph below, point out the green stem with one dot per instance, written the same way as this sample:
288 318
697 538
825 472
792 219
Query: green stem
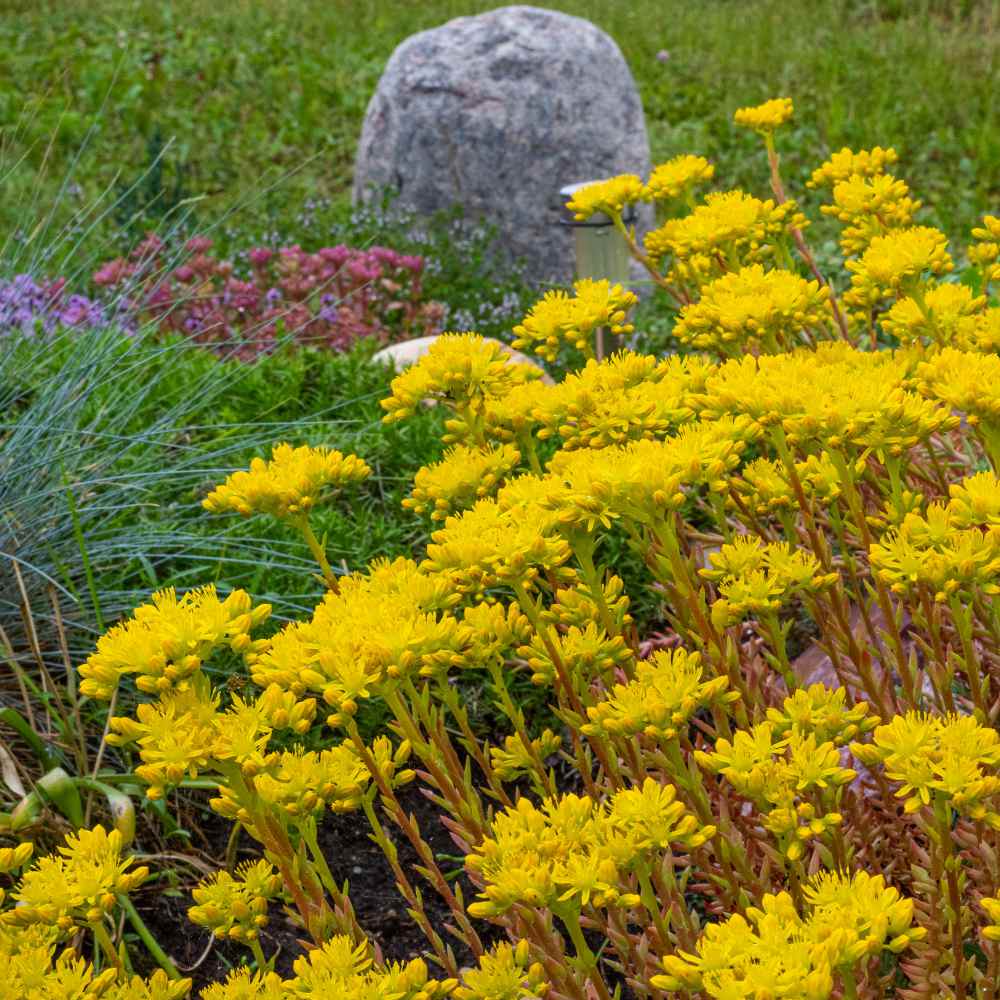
146 936
302 523
263 965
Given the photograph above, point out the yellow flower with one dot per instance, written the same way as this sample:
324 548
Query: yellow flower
514 759
833 397
573 850
622 398
667 691
462 477
166 642
822 712
794 779
345 970
586 653
608 197
379 626
766 117
730 224
465 372
676 177
245 984
944 314
79 885
775 952
951 757
894 264
487 545
560 319
870 207
235 906
754 578
288 485
846 164
752 307
505 972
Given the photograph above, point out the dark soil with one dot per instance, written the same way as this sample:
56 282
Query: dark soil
353 856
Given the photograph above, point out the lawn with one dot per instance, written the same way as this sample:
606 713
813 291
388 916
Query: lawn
153 107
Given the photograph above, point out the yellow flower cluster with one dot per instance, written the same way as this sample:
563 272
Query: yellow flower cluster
766 117
794 779
949 758
337 968
846 164
506 972
573 852
516 758
776 952
31 970
895 263
764 487
166 642
463 371
730 226
868 207
381 625
77 887
753 309
608 197
675 178
757 578
945 315
948 550
462 477
864 402
287 486
667 691
235 906
559 319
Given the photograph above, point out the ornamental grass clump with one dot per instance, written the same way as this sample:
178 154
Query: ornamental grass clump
793 792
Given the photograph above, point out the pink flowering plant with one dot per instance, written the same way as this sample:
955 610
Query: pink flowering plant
329 298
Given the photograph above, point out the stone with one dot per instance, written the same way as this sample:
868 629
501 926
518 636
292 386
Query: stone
409 352
495 113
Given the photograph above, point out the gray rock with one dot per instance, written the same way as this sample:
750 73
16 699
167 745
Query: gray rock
496 113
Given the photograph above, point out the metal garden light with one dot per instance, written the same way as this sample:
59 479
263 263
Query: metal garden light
600 250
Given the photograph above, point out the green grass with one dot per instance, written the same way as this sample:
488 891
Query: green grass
255 105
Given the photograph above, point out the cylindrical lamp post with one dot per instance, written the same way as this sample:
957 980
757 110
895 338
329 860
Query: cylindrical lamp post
600 250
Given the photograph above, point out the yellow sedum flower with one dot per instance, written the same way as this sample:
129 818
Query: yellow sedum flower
751 309
667 691
234 907
464 371
382 625
729 224
608 197
951 758
946 314
846 164
776 952
765 118
78 886
560 319
288 485
515 759
824 713
868 207
571 851
165 643
896 263
462 477
505 972
794 779
245 984
675 178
